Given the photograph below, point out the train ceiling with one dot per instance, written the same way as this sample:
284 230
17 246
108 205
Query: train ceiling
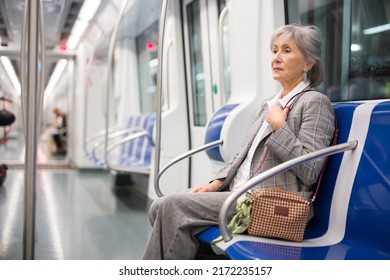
60 17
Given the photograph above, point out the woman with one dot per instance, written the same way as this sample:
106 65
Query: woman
298 120
59 131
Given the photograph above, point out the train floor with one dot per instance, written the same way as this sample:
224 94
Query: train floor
80 215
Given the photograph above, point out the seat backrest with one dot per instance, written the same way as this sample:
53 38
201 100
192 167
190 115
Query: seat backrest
367 200
368 219
139 150
319 224
133 122
145 145
214 128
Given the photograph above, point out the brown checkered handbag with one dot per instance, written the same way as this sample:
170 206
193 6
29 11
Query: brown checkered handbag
278 214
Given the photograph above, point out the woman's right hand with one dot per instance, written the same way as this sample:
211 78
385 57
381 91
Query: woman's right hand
210 187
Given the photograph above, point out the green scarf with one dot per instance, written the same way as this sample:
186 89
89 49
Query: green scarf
241 219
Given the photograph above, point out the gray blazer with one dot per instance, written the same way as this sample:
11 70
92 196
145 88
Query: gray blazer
310 126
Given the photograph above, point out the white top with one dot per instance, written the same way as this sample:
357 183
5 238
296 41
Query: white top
243 171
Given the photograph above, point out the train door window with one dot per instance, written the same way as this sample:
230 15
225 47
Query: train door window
226 51
197 59
147 43
369 75
355 33
197 67
57 112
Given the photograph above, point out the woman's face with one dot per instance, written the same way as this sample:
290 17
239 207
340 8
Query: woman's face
288 63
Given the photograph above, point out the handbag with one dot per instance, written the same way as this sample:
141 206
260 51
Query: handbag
6 118
278 214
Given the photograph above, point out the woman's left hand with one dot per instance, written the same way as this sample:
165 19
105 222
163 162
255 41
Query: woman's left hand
277 116
210 187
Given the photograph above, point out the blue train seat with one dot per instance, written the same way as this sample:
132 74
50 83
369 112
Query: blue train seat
136 154
214 129
352 209
213 139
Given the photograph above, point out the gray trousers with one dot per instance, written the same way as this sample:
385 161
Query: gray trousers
177 218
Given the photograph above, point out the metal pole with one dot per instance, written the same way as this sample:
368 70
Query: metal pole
23 52
32 107
157 145
41 87
107 80
221 54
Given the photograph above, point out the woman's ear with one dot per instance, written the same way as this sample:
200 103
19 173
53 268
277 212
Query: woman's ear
309 64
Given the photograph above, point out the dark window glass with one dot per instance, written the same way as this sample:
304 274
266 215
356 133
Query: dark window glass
355 57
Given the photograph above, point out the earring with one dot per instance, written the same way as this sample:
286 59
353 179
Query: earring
305 75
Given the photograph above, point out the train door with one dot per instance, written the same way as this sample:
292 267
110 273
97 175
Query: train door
55 144
12 143
58 91
200 22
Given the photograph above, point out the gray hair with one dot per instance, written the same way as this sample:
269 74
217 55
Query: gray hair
309 41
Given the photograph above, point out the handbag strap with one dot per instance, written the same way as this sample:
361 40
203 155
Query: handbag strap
334 141
290 103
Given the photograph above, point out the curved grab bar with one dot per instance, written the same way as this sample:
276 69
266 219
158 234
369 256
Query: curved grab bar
181 157
122 141
113 136
167 87
351 145
97 135
221 54
129 138
101 133
107 79
160 56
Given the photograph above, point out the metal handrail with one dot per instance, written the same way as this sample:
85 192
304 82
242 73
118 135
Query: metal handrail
113 136
41 87
23 54
128 139
351 145
122 141
167 101
41 34
181 157
107 80
160 56
31 123
97 135
221 54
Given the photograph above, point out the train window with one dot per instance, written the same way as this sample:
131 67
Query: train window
197 67
356 34
226 52
147 67
221 5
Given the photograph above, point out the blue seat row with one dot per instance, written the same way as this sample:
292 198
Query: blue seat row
138 152
135 154
352 209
